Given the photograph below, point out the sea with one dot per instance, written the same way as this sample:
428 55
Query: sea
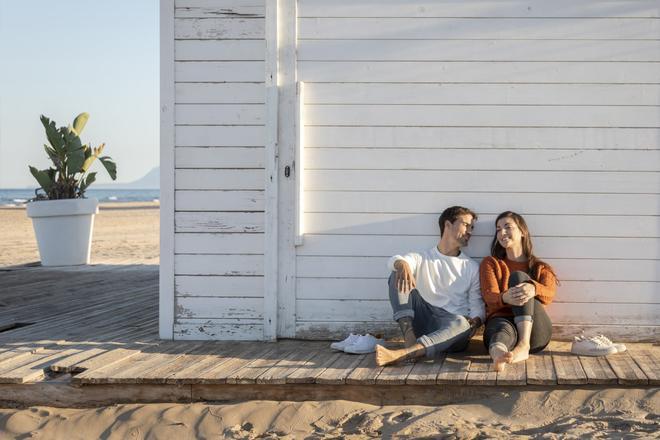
18 197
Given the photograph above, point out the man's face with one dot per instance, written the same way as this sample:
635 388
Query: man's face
461 230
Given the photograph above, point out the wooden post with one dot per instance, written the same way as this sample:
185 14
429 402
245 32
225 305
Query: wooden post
272 176
287 36
167 206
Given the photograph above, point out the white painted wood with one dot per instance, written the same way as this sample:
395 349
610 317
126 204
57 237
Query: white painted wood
219 71
473 28
479 50
218 28
193 200
601 313
560 313
482 159
219 243
302 162
288 124
167 195
220 179
482 181
485 9
220 6
219 308
220 114
236 286
219 330
487 203
539 225
234 265
483 137
222 157
545 247
484 94
567 292
568 269
464 72
213 136
220 222
220 9
220 50
220 93
481 115
271 174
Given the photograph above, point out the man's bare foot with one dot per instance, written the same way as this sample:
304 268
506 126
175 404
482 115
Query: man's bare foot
519 353
385 356
500 357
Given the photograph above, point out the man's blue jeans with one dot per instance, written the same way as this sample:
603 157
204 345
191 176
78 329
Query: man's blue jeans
436 329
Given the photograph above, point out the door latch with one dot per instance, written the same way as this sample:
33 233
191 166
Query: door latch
287 171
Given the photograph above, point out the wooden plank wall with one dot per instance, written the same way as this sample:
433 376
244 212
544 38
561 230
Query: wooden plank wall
550 109
219 198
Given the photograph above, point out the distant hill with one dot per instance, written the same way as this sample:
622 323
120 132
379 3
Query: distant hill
151 180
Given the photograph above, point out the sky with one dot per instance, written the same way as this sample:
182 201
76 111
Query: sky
61 58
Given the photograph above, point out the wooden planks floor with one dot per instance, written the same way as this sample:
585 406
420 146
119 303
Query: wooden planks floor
96 326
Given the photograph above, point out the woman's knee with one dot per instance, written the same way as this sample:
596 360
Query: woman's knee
518 277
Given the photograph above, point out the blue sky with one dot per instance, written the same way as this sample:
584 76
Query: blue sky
60 58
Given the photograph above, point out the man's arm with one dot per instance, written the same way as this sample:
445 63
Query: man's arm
405 267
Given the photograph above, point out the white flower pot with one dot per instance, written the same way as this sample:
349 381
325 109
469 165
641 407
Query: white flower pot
63 229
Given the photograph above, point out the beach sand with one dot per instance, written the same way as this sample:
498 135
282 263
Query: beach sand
124 233
612 413
128 234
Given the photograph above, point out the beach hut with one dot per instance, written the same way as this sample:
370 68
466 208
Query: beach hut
304 142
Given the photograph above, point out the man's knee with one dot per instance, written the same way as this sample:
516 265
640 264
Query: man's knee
518 277
392 279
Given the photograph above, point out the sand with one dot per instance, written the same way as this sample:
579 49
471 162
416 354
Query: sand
123 233
612 413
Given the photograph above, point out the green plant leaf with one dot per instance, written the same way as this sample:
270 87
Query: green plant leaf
91 177
45 178
53 135
75 154
80 122
110 166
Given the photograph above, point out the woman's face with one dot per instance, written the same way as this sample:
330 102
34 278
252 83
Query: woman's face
508 233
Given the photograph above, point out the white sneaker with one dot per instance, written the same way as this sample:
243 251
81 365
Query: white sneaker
339 346
363 344
591 347
620 348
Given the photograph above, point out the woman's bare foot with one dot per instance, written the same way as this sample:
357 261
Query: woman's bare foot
520 353
385 356
501 356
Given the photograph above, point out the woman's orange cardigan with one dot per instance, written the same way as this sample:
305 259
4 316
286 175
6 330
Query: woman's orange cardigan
494 276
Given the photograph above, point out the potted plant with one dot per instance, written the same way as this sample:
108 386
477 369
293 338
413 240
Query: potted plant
62 217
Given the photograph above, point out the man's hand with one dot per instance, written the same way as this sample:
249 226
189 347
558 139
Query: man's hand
405 280
520 294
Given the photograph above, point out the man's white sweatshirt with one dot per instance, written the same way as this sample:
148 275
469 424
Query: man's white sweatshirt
451 283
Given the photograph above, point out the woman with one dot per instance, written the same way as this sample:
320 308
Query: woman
515 286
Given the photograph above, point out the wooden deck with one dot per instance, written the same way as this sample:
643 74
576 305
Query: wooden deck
88 335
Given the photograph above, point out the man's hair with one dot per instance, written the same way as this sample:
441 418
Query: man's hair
451 214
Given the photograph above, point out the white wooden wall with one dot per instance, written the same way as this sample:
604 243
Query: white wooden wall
550 109
219 169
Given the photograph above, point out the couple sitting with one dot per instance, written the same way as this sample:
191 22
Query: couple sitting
438 295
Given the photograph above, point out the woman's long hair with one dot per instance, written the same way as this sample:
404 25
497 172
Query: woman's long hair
497 251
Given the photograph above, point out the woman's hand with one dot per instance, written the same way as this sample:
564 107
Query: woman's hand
520 294
405 280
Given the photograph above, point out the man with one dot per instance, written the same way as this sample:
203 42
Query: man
435 294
